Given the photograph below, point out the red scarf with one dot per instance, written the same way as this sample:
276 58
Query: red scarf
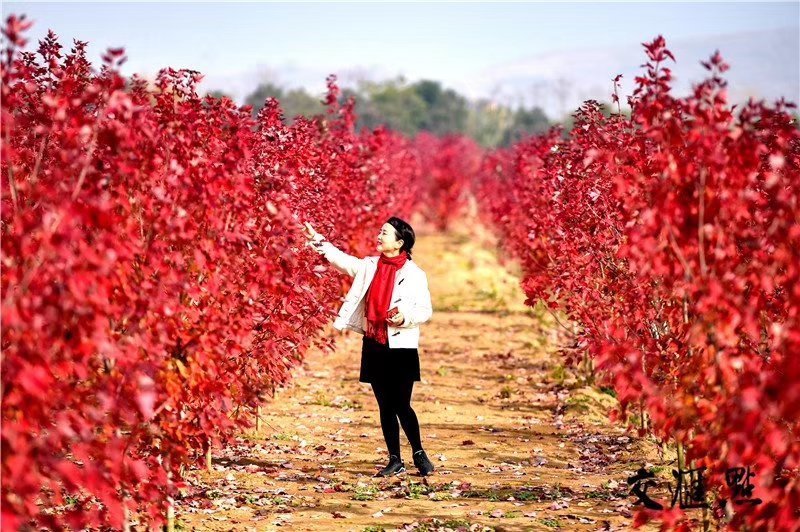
379 295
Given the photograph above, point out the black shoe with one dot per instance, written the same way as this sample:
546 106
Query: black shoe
423 464
394 467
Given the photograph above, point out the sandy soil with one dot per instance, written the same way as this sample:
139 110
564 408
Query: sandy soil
518 442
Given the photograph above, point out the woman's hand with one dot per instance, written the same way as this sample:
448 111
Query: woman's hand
397 319
310 233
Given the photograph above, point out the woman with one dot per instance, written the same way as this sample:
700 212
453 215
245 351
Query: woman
387 301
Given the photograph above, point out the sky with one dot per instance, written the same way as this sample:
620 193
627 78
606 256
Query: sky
460 44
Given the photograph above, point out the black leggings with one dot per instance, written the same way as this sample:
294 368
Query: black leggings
394 401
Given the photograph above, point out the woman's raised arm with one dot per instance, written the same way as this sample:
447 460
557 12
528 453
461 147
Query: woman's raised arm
341 261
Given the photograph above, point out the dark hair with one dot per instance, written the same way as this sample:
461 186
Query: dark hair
404 232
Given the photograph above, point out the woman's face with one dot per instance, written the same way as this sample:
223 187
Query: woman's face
387 240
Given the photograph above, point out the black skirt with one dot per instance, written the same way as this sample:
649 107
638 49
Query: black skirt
381 363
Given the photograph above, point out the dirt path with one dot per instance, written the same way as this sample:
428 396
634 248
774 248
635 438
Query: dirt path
517 444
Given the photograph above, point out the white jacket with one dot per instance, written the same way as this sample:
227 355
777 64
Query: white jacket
410 295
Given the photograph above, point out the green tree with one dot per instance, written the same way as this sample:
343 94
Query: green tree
607 108
218 94
525 122
446 110
487 123
422 106
298 102
295 102
392 103
261 93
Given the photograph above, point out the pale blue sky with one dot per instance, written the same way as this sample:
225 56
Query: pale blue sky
452 42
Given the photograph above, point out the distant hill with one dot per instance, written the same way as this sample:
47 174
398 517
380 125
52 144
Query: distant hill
763 65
